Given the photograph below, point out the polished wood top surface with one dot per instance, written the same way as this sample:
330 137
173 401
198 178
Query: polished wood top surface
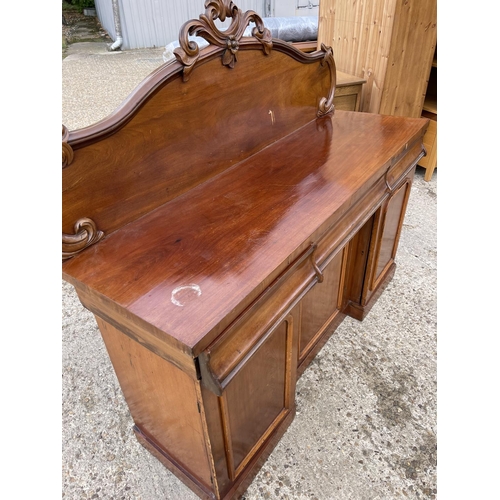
221 239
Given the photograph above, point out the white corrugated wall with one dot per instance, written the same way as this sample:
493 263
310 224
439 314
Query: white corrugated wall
155 23
104 10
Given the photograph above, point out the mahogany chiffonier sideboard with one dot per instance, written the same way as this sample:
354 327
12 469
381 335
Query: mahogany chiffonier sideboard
220 224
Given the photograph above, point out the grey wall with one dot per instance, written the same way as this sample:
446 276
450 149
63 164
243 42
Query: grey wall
105 15
155 23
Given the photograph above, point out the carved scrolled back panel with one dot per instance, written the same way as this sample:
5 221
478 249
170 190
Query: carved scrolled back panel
171 135
229 39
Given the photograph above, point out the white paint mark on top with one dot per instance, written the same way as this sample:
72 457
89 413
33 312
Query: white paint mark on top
272 116
183 293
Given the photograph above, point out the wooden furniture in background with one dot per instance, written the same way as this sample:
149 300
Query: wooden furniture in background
391 44
349 87
220 224
348 93
429 110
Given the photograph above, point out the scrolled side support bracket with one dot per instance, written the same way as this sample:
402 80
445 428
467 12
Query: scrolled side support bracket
326 103
86 234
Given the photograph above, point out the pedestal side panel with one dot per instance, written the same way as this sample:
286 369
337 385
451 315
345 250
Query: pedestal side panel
163 401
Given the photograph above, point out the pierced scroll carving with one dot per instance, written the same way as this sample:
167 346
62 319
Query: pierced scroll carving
67 150
189 51
326 103
86 234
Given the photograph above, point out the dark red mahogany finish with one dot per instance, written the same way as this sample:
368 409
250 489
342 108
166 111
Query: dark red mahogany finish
220 225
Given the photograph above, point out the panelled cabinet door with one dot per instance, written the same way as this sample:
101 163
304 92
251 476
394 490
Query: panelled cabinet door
372 252
320 305
388 231
257 399
254 404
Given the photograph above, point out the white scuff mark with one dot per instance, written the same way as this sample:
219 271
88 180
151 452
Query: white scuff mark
195 288
271 112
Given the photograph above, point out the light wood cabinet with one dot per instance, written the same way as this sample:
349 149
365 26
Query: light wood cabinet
348 87
429 110
392 45
348 92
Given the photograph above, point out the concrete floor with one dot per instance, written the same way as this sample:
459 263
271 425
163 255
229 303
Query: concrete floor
366 407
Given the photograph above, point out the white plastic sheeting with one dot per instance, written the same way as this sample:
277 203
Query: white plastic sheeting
289 29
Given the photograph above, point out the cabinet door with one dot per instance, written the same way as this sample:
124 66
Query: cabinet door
258 398
319 306
388 235
372 251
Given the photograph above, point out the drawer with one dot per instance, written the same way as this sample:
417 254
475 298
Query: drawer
403 164
224 358
347 97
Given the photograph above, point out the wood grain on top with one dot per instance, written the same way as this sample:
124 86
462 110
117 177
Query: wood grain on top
222 238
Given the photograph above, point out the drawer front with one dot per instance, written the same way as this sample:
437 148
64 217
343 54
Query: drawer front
404 164
347 97
346 102
227 356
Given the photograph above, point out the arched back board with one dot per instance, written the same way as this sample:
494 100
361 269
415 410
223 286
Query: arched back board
188 121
